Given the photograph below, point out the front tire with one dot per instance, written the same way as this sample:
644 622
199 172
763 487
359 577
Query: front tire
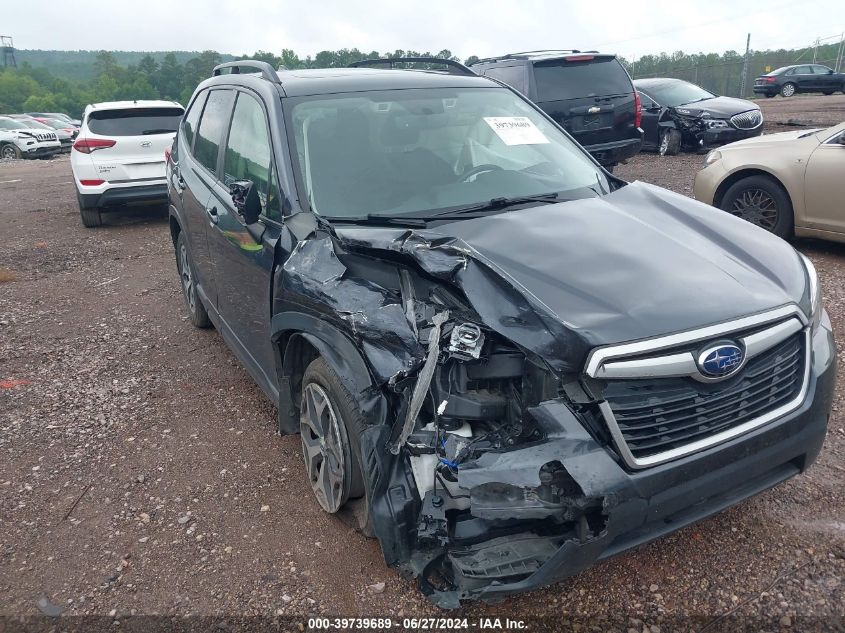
762 201
670 142
188 279
8 151
787 90
329 416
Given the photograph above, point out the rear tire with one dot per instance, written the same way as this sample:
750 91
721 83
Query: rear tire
670 142
91 217
787 90
188 281
8 151
762 201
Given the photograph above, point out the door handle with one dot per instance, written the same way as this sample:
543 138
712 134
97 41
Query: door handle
212 214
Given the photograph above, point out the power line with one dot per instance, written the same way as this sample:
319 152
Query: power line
698 25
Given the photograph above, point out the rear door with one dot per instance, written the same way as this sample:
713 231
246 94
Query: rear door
803 77
591 96
139 137
199 170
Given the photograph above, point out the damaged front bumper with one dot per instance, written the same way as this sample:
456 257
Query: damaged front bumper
604 509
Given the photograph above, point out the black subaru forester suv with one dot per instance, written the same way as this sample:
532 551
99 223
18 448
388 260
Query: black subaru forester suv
506 361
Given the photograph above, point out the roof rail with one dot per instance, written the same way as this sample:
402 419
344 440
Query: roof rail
527 54
451 64
252 66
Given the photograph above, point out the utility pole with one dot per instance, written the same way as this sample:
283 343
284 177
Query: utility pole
745 66
815 50
839 52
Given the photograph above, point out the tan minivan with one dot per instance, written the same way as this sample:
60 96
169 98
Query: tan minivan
791 183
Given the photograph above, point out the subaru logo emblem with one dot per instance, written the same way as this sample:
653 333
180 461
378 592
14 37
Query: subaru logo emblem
720 361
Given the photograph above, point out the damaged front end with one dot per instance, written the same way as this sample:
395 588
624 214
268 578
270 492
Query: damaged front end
483 461
699 129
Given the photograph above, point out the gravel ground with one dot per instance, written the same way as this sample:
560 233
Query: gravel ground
141 472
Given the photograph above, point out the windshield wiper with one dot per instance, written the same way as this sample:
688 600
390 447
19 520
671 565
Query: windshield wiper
497 204
376 219
157 131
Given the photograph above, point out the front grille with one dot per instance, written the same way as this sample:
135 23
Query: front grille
662 414
747 120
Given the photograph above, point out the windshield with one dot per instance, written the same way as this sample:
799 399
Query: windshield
56 124
675 93
11 124
410 152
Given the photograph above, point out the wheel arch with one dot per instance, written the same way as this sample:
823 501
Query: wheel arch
175 225
738 175
299 339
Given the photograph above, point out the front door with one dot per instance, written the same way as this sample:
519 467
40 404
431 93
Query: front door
651 116
244 256
824 187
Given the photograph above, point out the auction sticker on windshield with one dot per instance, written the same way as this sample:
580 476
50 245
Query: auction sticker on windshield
516 130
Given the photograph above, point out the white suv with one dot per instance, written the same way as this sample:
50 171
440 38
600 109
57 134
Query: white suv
118 157
19 139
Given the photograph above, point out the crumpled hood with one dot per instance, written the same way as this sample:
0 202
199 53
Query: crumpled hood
720 107
637 263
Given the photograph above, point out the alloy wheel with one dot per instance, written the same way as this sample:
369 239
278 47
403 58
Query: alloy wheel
788 90
756 206
8 152
187 279
664 142
322 447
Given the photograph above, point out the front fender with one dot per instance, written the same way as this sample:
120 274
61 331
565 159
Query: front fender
339 352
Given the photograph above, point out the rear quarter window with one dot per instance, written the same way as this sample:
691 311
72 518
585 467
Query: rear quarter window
558 80
135 121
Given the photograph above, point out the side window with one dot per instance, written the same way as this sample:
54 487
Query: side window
803 70
821 70
514 76
189 123
212 126
646 101
249 155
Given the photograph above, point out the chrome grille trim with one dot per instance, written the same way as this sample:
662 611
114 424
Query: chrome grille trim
676 365
787 321
749 120
602 354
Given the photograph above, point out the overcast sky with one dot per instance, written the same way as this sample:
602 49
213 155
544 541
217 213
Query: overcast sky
629 27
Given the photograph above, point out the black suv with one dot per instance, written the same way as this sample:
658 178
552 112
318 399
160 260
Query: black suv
506 362
791 80
588 93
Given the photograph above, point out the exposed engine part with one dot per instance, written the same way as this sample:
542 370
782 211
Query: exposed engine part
466 341
423 381
425 455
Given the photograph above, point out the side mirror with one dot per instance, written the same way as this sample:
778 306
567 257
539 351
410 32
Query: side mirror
246 200
841 140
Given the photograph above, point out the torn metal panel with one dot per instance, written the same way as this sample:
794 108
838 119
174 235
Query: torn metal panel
374 315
